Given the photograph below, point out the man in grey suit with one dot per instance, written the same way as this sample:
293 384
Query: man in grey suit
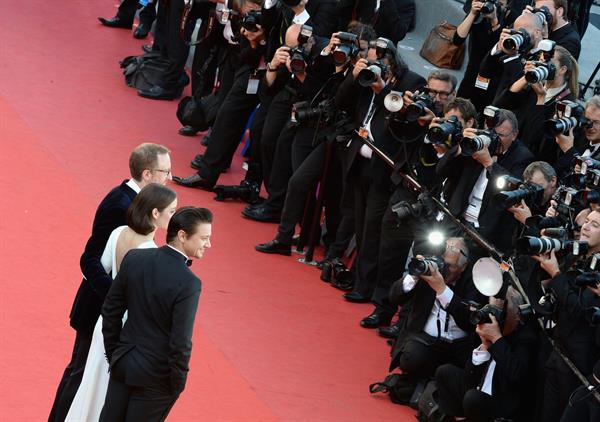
150 353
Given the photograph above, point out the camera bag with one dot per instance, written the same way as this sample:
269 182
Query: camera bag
145 71
429 410
439 49
400 387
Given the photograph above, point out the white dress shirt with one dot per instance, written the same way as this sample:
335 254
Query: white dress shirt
476 199
133 185
479 357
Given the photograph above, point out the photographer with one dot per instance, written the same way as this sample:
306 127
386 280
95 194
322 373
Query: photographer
498 153
573 333
366 174
587 145
437 327
502 66
495 382
398 234
561 30
485 31
534 96
543 175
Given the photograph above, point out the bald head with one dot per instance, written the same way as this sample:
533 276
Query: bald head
291 35
532 24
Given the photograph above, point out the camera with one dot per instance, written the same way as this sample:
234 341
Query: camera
491 116
251 19
544 71
518 40
482 315
569 115
589 275
368 76
585 197
299 54
347 50
302 112
484 139
529 245
488 7
393 102
421 101
246 191
527 191
420 266
586 163
448 132
423 207
334 271
544 15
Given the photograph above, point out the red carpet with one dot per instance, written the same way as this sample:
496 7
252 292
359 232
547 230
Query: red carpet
272 342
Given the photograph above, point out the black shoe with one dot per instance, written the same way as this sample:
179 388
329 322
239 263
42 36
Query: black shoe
116 22
141 31
393 331
275 247
356 297
196 163
149 48
188 131
262 214
376 319
206 140
159 93
194 181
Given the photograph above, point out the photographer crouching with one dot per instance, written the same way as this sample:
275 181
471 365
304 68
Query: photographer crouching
438 329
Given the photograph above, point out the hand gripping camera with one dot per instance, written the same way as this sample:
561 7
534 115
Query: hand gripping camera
448 132
568 115
299 55
421 266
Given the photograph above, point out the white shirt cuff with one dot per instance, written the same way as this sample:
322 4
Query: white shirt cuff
301 18
446 297
480 356
269 4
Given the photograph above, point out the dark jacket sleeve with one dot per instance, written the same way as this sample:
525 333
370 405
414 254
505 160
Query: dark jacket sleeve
348 93
397 294
114 308
182 326
398 16
324 21
91 267
450 163
460 312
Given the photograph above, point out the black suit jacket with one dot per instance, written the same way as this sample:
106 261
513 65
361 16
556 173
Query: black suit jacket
497 226
161 296
111 213
392 21
567 37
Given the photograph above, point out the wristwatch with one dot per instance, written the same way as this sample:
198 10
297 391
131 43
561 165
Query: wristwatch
270 68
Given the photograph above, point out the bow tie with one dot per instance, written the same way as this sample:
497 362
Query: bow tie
188 262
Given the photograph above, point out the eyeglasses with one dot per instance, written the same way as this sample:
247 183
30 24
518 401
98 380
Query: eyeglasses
167 172
503 135
441 94
595 123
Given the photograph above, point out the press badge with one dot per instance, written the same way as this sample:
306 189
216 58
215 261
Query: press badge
252 85
363 132
482 83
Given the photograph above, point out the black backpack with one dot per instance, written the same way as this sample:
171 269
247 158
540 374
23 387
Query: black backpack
400 387
145 71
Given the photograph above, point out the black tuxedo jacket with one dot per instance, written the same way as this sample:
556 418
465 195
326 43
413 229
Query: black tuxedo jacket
161 296
497 226
422 298
355 99
111 213
567 37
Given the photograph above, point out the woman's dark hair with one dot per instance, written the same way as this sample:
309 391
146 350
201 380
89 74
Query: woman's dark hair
187 219
139 214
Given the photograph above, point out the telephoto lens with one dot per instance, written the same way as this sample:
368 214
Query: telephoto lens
542 72
517 41
368 76
524 192
420 266
529 245
470 146
488 7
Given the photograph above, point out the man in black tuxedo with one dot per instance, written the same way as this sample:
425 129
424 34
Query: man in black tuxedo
126 14
149 355
561 30
391 19
148 163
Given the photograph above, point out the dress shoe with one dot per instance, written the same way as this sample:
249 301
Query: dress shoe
389 332
262 213
375 320
194 181
159 93
141 31
206 140
116 22
356 297
275 247
188 131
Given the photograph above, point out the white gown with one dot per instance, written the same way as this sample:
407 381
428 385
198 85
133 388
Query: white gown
88 401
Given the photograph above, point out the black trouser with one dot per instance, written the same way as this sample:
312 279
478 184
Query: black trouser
128 8
347 226
584 16
456 398
560 383
228 127
132 404
305 177
176 48
423 354
161 27
209 54
394 246
71 378
370 205
584 407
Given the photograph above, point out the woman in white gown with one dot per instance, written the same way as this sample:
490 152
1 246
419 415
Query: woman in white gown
151 209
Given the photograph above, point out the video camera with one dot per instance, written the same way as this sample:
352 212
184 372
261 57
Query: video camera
299 55
347 50
568 115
